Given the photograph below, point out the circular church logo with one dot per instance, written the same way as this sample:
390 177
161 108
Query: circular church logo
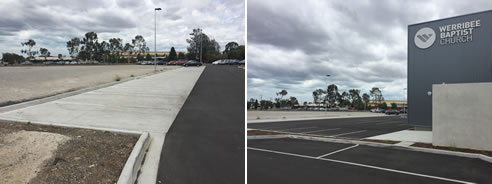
425 37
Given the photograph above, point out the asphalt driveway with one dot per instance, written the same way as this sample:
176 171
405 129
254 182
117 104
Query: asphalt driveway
205 144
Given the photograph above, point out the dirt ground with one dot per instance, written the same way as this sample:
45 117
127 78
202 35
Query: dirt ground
83 156
21 83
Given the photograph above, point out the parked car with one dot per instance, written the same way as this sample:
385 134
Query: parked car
160 63
392 111
217 62
26 63
241 62
192 63
179 62
380 111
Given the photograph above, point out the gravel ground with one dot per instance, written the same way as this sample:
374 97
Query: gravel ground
89 156
22 83
285 115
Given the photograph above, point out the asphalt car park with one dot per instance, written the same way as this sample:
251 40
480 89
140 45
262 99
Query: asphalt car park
287 160
357 128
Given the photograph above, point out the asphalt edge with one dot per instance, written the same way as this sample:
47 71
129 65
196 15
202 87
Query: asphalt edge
130 171
68 93
373 144
303 119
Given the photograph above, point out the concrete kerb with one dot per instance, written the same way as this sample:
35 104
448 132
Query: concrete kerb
133 164
374 144
303 119
69 93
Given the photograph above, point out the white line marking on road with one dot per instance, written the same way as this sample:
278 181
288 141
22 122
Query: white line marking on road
325 130
376 122
297 128
350 147
283 126
362 165
348 133
404 124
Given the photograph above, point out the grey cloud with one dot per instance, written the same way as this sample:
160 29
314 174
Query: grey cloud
282 29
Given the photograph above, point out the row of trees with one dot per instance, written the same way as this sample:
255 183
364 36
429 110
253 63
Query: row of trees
331 97
211 49
91 48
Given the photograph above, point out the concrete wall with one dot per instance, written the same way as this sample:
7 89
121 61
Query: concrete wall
462 115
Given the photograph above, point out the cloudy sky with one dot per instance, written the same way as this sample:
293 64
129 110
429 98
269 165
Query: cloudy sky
362 44
51 23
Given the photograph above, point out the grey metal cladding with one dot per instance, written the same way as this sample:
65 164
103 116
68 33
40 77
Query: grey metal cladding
452 63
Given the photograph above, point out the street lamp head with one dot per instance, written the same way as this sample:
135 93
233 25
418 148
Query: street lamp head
158 9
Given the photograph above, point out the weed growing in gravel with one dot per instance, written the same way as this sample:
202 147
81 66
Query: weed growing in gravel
117 77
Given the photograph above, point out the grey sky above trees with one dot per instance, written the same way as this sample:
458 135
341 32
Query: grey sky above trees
293 45
51 23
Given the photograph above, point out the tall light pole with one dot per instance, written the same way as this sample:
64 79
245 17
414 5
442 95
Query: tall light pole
405 96
200 32
326 92
155 37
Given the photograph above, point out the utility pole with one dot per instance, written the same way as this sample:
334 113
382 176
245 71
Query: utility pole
155 37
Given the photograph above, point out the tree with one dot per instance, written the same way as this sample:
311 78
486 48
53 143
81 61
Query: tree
148 57
256 104
29 44
317 96
139 44
115 47
331 94
377 95
266 104
237 53
60 56
89 45
344 99
73 47
172 55
230 46
129 48
366 99
44 53
199 38
393 105
181 55
12 58
355 98
293 101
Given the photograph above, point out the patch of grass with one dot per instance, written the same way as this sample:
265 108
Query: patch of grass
117 77
132 75
257 117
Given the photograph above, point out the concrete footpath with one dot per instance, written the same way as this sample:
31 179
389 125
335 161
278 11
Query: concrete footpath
146 104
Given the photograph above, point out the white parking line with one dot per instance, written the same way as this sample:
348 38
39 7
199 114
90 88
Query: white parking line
297 128
362 165
348 133
325 130
269 127
350 147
